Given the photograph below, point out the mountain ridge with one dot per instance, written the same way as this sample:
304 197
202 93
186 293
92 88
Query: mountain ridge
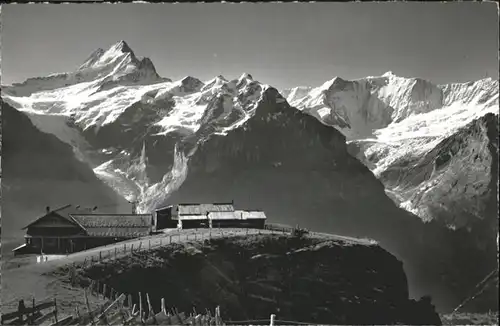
156 141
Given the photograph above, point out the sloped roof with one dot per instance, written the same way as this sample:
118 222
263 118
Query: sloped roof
62 211
114 225
224 215
112 220
191 217
247 215
203 209
237 215
159 209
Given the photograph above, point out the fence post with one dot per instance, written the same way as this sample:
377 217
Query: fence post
124 247
32 312
273 316
149 244
151 312
88 307
217 316
104 290
140 307
100 256
55 310
170 239
163 307
116 253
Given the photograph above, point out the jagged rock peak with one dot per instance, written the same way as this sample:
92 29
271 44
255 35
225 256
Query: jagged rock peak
121 46
220 77
245 76
334 84
147 63
191 82
93 57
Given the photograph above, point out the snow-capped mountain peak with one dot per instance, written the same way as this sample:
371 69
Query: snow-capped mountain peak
394 122
245 76
117 51
389 74
359 107
102 70
121 46
92 59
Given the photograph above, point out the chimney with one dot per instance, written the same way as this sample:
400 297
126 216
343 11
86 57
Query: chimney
47 209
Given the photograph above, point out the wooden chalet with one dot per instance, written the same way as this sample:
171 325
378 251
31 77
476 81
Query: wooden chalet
67 230
237 219
189 216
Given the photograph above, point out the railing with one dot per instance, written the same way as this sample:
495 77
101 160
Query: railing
156 241
119 308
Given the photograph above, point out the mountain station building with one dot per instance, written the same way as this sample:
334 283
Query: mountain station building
67 229
217 215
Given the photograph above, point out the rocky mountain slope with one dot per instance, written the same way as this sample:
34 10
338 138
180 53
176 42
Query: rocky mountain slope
252 277
299 171
38 171
159 141
120 114
399 126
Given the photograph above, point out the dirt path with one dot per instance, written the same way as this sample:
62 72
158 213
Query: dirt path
34 280
31 279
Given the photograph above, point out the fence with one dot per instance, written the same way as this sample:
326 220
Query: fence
33 314
119 308
134 246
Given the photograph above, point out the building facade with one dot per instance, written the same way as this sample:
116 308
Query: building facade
218 215
63 231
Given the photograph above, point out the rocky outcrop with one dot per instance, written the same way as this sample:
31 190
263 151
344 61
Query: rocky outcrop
311 279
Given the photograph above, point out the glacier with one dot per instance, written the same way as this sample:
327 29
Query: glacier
390 122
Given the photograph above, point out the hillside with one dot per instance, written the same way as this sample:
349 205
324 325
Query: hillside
299 171
38 171
253 276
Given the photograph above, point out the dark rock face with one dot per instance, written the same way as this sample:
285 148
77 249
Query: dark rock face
309 280
38 171
299 172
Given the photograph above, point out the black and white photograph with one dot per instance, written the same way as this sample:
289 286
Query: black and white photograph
249 163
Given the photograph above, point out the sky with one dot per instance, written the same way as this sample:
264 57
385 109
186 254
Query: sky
281 44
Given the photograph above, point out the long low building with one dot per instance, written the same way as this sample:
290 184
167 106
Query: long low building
66 230
189 216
